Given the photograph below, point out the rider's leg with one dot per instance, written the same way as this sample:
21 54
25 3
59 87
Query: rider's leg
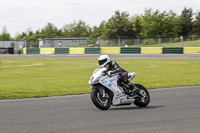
133 88
124 79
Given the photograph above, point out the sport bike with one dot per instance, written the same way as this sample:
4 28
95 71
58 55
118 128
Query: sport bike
108 90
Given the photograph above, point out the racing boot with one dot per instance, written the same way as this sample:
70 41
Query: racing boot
126 89
131 86
134 89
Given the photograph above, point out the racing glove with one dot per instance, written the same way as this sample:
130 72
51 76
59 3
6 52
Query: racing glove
110 73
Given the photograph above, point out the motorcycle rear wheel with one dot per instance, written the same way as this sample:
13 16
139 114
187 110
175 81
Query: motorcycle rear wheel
100 102
142 101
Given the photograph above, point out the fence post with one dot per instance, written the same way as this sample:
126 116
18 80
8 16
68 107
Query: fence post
25 42
182 40
138 40
159 40
118 40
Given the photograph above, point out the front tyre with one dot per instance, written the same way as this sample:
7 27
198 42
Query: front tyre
142 101
100 102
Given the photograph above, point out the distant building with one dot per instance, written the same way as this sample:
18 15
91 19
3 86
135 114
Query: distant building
61 42
12 44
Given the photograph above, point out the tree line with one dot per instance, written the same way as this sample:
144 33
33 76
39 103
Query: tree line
152 23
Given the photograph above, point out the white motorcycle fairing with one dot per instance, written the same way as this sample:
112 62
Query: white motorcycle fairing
119 97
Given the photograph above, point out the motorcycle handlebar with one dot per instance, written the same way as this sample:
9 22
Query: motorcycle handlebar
104 73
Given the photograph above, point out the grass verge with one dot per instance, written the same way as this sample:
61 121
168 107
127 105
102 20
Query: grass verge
27 78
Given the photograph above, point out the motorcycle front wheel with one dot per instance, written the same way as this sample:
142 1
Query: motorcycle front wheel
142 101
100 102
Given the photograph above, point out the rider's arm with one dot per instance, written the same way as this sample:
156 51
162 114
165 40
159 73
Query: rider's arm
117 68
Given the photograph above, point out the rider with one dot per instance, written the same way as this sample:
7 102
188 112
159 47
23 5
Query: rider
113 67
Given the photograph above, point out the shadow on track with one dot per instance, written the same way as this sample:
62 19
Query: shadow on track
132 108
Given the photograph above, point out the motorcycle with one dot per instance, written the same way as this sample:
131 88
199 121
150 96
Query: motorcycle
108 90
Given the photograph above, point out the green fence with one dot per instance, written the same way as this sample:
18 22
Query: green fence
172 50
33 51
130 50
92 50
61 50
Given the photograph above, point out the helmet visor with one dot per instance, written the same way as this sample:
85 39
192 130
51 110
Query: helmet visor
101 62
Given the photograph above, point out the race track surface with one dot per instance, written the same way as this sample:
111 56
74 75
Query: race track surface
172 110
113 56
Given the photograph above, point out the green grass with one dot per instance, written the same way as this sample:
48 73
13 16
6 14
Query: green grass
195 43
16 51
25 78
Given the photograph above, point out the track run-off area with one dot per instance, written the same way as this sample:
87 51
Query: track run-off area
171 110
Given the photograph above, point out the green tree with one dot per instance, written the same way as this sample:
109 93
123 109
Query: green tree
98 31
186 21
18 37
163 24
5 36
21 36
49 31
137 24
196 25
119 25
24 34
32 39
174 24
66 29
153 23
80 29
148 24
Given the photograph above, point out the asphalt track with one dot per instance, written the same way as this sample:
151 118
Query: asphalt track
172 110
113 56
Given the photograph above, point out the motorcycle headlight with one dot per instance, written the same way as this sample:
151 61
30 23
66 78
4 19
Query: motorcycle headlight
95 81
91 78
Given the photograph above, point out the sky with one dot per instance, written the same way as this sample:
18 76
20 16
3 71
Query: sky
19 15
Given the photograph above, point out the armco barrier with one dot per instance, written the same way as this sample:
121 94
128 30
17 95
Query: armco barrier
76 50
151 50
110 50
191 50
61 50
92 50
47 50
32 51
130 50
172 50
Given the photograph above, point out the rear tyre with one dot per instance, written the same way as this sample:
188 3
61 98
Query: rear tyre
142 101
100 102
